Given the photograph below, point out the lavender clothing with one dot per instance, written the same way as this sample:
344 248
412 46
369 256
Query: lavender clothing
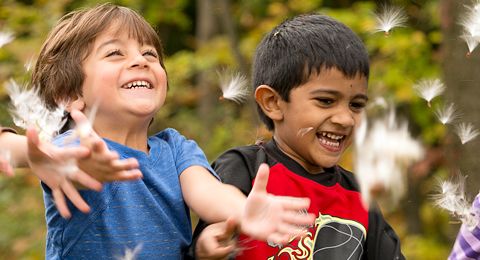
467 244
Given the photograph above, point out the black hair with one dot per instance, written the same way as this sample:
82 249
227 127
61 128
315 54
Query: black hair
299 47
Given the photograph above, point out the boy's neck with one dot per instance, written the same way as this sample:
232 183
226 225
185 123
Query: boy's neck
133 136
310 168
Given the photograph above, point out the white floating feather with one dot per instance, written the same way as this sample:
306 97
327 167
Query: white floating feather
471 41
29 64
29 110
452 197
6 37
390 17
382 156
447 113
470 22
466 132
234 87
428 89
377 102
131 254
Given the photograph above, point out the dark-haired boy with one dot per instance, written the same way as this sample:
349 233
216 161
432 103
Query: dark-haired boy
310 75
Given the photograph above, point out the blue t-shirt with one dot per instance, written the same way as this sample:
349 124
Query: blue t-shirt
148 214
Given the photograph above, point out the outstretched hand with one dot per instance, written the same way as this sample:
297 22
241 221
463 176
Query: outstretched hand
272 218
56 167
217 240
102 164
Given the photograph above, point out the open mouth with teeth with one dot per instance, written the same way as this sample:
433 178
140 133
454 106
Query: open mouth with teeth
137 84
330 140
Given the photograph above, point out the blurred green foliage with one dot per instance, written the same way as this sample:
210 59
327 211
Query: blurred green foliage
399 60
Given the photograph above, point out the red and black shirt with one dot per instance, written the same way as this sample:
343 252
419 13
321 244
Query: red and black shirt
343 228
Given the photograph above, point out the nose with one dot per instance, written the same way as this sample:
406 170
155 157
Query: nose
344 117
138 61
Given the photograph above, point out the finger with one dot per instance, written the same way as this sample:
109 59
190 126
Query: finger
78 116
231 226
214 248
33 141
293 203
99 146
128 175
261 179
103 159
9 171
298 219
69 153
126 164
60 203
74 196
278 239
83 126
291 231
6 169
86 180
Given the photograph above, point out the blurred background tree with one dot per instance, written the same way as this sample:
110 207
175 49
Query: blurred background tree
203 38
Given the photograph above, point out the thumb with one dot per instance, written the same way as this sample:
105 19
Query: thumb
230 227
261 179
83 126
78 116
32 140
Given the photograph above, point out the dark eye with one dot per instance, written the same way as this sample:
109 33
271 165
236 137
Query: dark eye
113 53
358 106
325 101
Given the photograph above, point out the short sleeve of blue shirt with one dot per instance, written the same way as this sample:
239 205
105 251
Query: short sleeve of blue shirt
187 153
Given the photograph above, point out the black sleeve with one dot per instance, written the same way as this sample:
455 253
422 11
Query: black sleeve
382 241
237 167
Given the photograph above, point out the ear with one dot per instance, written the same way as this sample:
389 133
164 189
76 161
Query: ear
77 104
269 101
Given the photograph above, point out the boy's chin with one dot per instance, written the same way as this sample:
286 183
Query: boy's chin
328 163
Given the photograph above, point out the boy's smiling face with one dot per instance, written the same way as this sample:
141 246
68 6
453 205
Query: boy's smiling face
317 124
124 76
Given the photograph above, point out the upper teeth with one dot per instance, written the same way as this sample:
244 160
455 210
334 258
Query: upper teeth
332 136
138 83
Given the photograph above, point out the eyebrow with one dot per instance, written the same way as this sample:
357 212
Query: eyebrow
337 93
107 43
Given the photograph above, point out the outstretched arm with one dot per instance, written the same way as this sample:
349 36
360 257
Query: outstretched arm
63 168
261 216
